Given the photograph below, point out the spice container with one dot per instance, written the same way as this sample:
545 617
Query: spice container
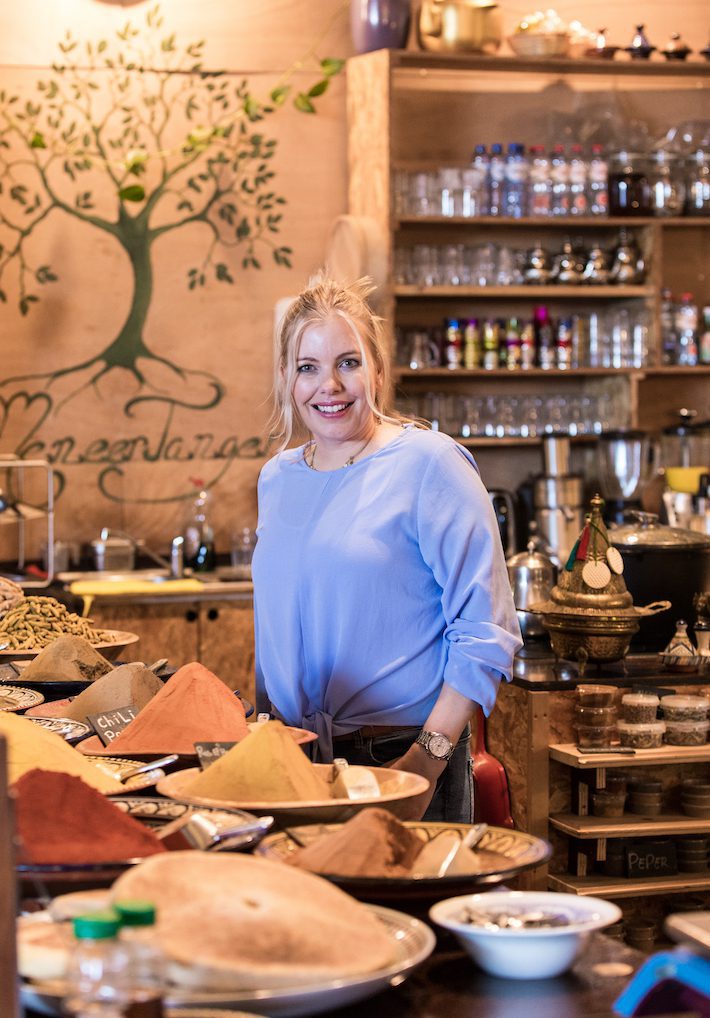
603 716
595 696
645 803
640 934
616 782
648 736
615 863
686 733
684 708
639 708
608 804
595 735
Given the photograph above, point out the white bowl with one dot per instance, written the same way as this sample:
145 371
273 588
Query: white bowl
532 953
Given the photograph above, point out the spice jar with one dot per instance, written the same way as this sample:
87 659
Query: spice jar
686 733
684 708
630 191
595 695
639 708
608 804
648 736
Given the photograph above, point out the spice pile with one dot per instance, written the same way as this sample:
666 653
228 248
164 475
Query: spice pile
128 684
372 844
61 819
266 767
70 658
35 622
30 746
193 706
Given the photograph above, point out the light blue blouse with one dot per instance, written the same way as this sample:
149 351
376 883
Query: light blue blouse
376 583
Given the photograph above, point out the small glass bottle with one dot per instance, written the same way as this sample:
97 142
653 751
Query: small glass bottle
98 976
539 183
199 535
597 182
496 180
578 205
559 172
147 963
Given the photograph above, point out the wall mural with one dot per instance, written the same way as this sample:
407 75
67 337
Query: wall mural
135 138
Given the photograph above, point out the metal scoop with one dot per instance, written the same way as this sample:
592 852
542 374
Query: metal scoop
198 831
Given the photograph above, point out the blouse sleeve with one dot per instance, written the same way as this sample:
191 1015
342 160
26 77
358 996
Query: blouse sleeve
459 540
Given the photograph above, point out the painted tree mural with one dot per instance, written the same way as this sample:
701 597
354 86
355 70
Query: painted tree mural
136 138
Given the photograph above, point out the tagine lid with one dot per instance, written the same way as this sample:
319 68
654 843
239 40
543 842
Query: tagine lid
592 580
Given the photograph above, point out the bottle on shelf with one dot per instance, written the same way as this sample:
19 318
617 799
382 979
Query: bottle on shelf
668 333
577 182
686 327
704 340
98 977
491 359
697 198
496 180
454 344
559 173
539 182
147 962
472 345
597 183
513 346
527 346
199 536
564 344
515 184
479 181
544 338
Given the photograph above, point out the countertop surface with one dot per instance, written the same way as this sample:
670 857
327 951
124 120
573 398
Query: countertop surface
536 669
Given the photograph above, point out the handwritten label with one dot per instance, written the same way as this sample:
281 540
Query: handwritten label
651 859
111 723
208 752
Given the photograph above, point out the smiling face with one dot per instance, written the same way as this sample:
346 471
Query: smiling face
331 385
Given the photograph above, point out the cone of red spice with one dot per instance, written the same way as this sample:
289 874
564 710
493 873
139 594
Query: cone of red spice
193 706
61 819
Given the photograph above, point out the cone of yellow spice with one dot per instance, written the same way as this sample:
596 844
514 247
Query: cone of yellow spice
266 767
31 746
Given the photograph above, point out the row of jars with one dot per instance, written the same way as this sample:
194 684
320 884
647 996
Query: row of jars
659 184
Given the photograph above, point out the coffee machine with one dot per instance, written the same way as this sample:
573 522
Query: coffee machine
626 462
558 499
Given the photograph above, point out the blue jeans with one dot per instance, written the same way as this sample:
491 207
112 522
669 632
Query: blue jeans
453 799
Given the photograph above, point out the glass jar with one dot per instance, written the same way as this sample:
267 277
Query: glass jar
667 180
630 192
697 200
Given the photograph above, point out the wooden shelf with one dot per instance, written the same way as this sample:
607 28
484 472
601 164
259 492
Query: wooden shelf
567 223
530 292
403 372
628 825
620 887
623 67
568 753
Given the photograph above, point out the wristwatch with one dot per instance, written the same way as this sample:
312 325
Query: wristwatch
437 746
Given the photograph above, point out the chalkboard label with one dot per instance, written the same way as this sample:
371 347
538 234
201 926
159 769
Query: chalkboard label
208 752
111 723
651 859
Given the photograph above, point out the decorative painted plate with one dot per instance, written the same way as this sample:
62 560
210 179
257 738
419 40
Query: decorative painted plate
71 730
14 698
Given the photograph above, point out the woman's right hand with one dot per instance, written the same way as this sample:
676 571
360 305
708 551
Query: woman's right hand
417 761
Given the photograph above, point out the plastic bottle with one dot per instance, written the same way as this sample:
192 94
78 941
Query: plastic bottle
597 183
539 182
147 963
559 172
99 969
515 185
704 340
491 359
545 338
668 334
496 180
480 165
199 535
577 182
513 349
686 326
472 345
454 344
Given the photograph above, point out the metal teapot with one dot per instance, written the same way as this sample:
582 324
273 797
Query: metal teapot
532 577
454 26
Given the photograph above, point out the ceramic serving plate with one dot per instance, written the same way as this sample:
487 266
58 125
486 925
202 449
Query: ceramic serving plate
111 649
395 788
94 747
14 698
69 729
500 855
116 765
412 941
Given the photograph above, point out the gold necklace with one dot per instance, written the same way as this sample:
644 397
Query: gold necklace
348 462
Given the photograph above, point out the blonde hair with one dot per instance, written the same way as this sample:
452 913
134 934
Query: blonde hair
322 299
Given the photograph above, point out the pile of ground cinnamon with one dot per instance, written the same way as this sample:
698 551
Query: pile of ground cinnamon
71 658
128 684
266 767
193 706
371 844
31 746
61 819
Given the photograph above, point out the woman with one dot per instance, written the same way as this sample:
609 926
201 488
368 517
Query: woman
383 609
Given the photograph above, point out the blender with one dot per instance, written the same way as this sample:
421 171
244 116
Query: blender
685 454
626 462
558 497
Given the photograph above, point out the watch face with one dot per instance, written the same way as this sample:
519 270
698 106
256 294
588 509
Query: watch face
439 746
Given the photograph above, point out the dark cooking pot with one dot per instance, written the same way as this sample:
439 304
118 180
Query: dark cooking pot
662 563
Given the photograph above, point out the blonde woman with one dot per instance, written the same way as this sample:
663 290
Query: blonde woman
383 609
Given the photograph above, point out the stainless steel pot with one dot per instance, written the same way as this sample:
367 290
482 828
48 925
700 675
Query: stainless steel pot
560 527
453 26
532 577
662 563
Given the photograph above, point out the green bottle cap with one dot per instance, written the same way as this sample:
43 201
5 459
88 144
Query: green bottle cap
135 912
102 925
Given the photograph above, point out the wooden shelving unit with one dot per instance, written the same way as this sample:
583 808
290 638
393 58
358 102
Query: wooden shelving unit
618 887
628 826
568 753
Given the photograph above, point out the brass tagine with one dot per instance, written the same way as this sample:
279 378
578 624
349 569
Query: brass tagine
590 615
